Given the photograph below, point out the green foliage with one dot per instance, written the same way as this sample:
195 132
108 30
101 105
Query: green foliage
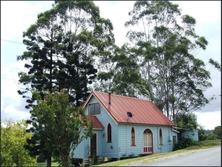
216 134
59 125
186 120
215 64
131 155
201 134
163 50
95 160
211 136
41 158
62 56
13 139
217 131
184 143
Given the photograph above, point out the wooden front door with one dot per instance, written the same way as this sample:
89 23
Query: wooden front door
93 145
147 141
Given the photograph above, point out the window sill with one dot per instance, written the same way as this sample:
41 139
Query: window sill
161 143
133 145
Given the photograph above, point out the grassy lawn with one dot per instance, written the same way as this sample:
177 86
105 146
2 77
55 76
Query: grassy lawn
151 158
44 164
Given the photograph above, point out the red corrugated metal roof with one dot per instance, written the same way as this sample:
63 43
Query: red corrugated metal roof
144 111
96 123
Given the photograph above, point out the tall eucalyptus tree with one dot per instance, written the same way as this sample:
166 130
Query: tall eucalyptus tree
166 44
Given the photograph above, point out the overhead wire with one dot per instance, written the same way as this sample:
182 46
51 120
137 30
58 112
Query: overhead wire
11 68
12 41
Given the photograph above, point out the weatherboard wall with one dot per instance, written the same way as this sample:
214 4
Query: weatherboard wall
124 140
192 134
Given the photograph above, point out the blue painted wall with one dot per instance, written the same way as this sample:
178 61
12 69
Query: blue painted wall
79 151
192 134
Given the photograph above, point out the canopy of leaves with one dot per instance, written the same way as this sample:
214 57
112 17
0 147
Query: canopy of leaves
61 49
217 131
164 44
59 125
201 133
13 139
186 121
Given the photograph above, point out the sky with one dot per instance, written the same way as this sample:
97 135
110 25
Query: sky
13 24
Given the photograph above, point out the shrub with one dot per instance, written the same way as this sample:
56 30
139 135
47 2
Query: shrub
183 143
201 134
211 136
131 155
95 160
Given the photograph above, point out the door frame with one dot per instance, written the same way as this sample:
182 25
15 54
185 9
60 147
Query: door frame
148 147
96 149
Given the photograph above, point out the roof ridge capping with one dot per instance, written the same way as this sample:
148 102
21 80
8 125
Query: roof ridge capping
122 96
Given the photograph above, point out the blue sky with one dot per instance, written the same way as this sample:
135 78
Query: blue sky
206 13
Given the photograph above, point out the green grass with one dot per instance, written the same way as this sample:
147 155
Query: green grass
205 144
151 158
44 164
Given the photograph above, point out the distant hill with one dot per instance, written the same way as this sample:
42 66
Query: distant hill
208 131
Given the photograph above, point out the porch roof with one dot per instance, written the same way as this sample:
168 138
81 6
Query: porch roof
96 123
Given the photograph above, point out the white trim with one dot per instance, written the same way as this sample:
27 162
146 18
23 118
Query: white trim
87 100
152 141
175 131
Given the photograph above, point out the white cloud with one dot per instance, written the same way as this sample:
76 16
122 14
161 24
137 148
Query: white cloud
17 16
203 11
118 14
209 120
12 104
14 113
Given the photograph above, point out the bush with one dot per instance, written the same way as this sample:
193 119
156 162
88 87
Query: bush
183 143
211 136
131 155
95 160
201 134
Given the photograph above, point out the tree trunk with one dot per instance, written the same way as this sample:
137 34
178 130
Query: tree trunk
49 161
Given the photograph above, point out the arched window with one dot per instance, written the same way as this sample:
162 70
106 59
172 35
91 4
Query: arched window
161 136
109 133
133 141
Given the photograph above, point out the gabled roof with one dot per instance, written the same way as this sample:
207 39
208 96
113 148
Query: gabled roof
96 123
143 111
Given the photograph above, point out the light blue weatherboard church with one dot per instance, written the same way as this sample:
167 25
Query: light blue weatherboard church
125 126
